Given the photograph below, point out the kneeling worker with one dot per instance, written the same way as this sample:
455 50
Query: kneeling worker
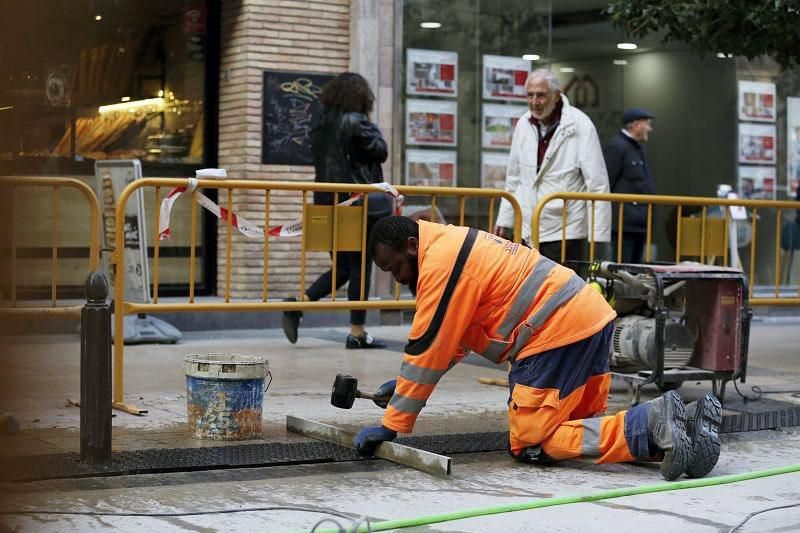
481 293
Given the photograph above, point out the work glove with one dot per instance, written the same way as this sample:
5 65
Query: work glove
384 393
368 439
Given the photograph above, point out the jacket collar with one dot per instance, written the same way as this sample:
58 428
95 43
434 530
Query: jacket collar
567 117
565 129
627 136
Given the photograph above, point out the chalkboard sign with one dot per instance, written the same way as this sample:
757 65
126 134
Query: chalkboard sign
291 108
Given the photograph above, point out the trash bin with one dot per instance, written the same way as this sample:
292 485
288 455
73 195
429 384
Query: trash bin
224 395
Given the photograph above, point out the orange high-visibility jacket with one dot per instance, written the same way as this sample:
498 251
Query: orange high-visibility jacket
478 292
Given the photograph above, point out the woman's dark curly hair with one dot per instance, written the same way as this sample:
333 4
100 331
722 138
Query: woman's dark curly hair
348 92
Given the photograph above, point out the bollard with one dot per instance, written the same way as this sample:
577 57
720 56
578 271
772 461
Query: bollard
96 371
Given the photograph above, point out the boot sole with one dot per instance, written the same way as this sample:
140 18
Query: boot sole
677 460
705 436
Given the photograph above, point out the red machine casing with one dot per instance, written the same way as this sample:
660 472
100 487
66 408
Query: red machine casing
717 306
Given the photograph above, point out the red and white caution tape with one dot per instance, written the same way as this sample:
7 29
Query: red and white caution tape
247 228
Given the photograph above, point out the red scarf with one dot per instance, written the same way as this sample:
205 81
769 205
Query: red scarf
552 121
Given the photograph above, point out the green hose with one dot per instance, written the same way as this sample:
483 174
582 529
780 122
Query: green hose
563 500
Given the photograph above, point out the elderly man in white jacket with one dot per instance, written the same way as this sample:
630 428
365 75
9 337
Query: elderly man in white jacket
554 149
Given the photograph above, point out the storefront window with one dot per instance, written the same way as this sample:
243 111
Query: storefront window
463 91
91 80
464 67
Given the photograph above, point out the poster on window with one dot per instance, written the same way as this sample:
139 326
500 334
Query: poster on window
431 122
756 143
431 168
793 148
498 124
493 170
431 72
756 101
504 78
757 183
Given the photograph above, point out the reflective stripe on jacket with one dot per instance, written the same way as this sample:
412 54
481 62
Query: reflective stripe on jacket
478 292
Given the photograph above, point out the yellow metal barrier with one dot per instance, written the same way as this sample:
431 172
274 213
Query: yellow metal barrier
14 183
347 232
704 237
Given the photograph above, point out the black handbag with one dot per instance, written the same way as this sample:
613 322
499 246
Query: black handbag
379 205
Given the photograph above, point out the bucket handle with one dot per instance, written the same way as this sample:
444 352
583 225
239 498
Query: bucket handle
266 388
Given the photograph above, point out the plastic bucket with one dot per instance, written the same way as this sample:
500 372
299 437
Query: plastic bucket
224 394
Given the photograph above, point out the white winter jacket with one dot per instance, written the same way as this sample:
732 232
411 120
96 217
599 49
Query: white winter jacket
573 162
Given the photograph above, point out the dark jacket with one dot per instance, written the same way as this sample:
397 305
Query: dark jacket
628 173
347 148
797 197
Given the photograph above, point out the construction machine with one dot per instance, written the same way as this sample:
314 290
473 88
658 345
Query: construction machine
676 323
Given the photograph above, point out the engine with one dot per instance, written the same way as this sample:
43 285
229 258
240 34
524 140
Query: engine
633 344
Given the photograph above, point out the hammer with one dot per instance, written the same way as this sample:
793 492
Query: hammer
345 391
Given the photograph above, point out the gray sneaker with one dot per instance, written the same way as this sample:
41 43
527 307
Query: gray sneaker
666 427
704 418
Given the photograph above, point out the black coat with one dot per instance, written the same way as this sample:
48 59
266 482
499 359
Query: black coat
797 197
347 148
628 173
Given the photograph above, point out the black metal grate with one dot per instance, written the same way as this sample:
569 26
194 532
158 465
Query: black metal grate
153 461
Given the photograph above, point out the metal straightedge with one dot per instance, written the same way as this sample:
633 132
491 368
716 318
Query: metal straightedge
428 462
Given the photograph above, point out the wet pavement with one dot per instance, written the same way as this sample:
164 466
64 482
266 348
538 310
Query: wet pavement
42 373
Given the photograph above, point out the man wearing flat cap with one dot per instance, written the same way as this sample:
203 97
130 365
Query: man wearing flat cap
628 173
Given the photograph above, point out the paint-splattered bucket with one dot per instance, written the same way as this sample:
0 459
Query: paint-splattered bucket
224 393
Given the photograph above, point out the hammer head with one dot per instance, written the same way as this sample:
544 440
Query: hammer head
344 390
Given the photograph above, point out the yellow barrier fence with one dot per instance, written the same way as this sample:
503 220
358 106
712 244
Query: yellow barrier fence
10 185
335 228
703 237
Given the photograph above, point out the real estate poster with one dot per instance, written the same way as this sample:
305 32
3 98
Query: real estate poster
493 170
431 168
498 124
504 77
756 143
757 183
431 122
756 101
431 72
793 148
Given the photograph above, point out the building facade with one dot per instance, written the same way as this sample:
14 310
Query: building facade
185 84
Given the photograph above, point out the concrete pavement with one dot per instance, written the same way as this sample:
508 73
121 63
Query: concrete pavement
41 373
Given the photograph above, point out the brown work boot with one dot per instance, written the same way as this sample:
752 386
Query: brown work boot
666 429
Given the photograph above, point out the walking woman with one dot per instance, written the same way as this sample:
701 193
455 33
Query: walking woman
347 148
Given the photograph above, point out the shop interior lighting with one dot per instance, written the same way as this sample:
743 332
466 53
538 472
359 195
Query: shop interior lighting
6 107
532 57
98 17
724 56
627 46
156 103
431 25
566 70
621 62
125 99
160 93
